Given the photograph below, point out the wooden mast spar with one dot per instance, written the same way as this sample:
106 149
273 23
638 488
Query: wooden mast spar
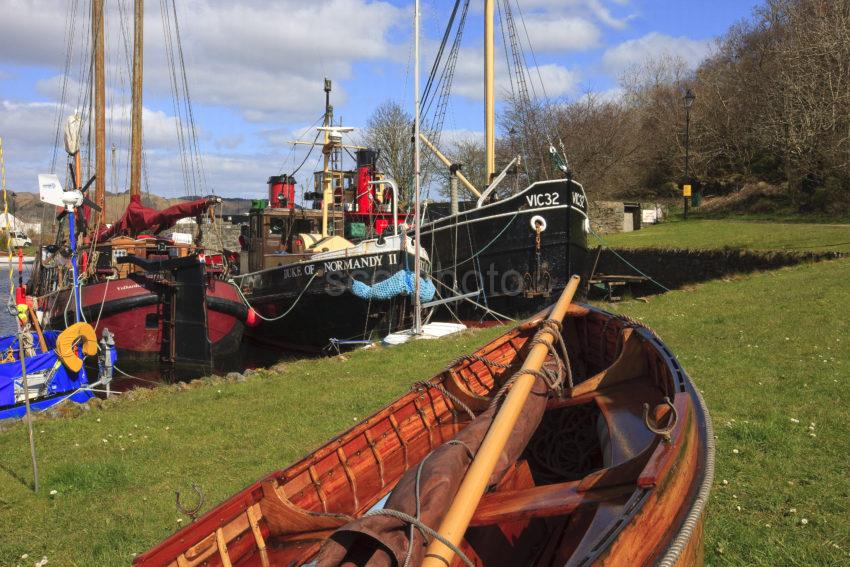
99 111
417 262
469 494
489 89
136 132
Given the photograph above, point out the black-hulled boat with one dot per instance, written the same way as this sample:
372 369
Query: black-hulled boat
516 252
313 301
311 286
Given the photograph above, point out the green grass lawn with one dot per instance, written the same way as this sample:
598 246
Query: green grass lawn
115 471
727 233
770 352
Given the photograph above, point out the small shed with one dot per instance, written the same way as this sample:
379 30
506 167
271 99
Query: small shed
631 217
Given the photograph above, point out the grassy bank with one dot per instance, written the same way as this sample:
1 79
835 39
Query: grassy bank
723 233
770 351
772 355
115 471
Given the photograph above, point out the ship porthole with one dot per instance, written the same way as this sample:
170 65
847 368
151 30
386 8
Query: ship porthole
538 220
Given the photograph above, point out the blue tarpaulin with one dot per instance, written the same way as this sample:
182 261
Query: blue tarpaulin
62 383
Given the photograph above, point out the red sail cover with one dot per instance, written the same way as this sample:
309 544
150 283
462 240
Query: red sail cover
139 219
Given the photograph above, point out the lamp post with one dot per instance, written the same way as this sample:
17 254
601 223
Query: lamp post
686 190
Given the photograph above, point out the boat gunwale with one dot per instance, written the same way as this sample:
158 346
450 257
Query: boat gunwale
229 510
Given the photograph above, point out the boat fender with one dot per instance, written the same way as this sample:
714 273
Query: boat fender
252 320
538 220
81 333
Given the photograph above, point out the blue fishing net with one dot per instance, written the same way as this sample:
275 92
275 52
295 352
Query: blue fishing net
400 283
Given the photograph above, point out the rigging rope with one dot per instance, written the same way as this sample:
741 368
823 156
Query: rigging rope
199 164
312 146
11 304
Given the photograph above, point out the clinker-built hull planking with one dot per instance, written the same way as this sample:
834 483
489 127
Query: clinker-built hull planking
594 486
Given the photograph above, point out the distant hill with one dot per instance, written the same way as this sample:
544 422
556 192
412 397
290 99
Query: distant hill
28 207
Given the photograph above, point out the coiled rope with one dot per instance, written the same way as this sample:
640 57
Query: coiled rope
553 380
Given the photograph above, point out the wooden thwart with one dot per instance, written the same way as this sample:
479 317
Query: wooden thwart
541 501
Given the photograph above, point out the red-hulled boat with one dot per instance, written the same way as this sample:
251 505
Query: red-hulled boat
164 300
158 296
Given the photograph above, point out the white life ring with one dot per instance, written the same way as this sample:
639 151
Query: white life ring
537 219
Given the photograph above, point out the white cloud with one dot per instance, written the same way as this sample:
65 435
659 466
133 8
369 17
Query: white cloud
469 81
588 9
262 58
561 33
654 46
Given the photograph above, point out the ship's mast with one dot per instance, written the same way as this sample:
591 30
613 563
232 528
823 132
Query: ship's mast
417 262
136 135
489 89
327 190
99 110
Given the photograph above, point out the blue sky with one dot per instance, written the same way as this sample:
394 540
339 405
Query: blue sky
255 70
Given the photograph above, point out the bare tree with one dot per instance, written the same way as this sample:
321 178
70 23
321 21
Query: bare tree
469 153
389 130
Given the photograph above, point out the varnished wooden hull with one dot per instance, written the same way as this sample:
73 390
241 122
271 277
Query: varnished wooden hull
620 494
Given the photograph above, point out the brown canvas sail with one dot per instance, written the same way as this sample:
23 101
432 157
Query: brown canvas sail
383 540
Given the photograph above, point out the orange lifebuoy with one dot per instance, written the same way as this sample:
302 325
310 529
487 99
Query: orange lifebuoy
68 338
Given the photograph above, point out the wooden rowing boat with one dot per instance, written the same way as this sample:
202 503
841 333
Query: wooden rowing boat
612 470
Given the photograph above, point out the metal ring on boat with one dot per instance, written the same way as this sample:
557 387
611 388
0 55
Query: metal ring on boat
537 219
671 421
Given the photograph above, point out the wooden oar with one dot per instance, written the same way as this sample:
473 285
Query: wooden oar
38 330
474 484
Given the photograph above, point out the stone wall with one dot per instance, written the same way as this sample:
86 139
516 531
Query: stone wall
223 235
675 267
606 217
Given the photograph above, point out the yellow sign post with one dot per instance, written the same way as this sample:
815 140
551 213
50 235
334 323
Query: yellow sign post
686 191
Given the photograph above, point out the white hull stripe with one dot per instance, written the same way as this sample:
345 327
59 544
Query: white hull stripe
430 228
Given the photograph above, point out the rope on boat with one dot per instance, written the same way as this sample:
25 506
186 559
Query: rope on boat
556 328
415 522
552 380
479 358
701 501
697 510
281 316
420 386
425 530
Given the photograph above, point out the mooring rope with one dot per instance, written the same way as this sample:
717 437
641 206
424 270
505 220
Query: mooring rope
626 262
281 316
